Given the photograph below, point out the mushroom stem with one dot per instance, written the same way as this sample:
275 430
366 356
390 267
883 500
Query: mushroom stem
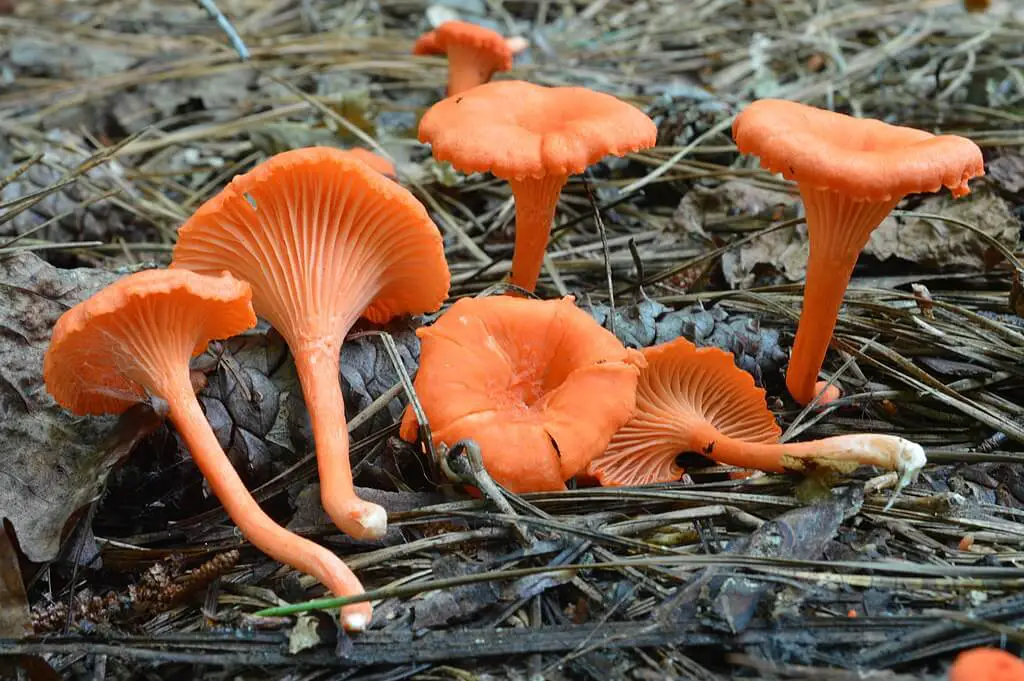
838 228
840 452
317 364
259 528
536 200
467 68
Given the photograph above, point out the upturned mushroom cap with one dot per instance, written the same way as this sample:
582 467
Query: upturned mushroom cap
108 352
987 664
322 238
539 385
518 130
136 337
862 158
683 395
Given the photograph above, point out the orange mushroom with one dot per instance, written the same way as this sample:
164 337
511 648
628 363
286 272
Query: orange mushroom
986 664
851 173
133 340
697 400
538 385
474 53
535 137
375 161
323 240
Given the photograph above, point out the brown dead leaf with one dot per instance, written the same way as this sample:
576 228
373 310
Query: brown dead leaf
15 619
930 243
54 462
1007 170
704 206
937 244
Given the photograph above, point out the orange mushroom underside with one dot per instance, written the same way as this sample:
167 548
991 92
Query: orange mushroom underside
134 339
323 239
692 400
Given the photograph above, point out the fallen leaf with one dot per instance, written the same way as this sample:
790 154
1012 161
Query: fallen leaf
304 635
15 618
800 534
940 245
1007 170
930 243
438 608
740 203
54 463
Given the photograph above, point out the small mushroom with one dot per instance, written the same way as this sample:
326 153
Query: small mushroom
538 385
697 400
535 137
474 53
851 173
323 240
133 340
986 664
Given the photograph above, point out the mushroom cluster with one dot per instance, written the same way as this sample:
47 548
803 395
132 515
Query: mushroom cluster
314 239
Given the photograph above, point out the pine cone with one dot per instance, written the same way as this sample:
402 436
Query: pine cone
755 349
682 118
254 403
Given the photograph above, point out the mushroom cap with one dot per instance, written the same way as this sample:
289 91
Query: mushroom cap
106 351
489 45
322 238
375 161
539 385
862 158
516 130
987 664
683 391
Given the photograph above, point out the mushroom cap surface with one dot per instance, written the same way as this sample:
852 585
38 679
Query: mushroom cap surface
518 130
101 348
539 385
682 391
375 161
862 158
322 238
987 664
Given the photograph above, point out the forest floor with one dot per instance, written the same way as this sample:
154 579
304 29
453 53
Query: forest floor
118 118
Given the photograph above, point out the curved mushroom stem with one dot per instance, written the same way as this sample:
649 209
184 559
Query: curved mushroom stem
467 68
317 366
838 228
536 200
841 452
259 528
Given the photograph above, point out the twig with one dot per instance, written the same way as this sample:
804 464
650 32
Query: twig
607 256
227 27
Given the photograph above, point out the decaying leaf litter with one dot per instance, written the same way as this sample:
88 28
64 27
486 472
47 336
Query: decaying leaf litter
111 140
